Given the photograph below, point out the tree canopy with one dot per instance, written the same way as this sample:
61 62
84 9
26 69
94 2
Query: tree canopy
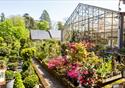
29 21
43 25
60 25
2 17
45 17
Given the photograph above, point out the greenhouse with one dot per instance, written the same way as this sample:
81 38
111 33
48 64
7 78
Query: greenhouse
87 50
102 26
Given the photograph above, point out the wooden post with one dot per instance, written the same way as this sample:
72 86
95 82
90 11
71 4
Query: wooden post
120 30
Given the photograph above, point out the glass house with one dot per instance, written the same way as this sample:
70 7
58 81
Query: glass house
102 26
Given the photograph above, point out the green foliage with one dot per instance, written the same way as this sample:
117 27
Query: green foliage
13 28
1 40
4 51
29 21
25 65
43 25
15 45
45 17
14 53
13 58
31 81
5 59
27 72
48 49
28 53
105 68
2 17
2 58
8 39
22 42
13 66
41 55
9 74
18 83
60 25
2 64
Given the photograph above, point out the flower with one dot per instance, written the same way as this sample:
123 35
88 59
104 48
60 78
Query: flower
56 62
73 73
85 72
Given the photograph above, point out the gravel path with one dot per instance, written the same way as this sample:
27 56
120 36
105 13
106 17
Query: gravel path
52 82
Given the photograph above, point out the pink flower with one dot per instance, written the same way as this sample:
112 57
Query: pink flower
85 72
56 62
73 74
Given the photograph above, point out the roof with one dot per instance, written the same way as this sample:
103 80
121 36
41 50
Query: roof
39 34
42 34
56 34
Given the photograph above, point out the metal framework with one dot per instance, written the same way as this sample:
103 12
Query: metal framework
95 23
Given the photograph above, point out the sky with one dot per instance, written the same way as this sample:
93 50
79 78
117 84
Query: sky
59 10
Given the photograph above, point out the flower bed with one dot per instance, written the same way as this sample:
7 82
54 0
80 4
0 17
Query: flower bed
55 74
81 67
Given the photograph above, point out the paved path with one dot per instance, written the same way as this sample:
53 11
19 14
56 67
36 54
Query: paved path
52 82
10 84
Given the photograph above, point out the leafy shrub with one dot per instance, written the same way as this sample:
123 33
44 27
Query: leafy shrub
25 65
2 64
42 55
31 81
13 52
28 53
18 83
105 68
9 74
13 58
12 66
8 39
3 58
22 42
1 40
15 45
4 51
28 72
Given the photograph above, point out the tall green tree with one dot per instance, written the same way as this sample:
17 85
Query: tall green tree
2 17
45 17
29 21
60 25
